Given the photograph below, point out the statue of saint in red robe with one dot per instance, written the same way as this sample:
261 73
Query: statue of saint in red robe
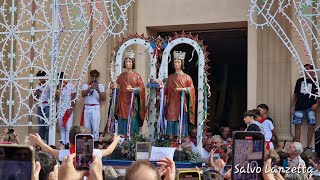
131 97
179 87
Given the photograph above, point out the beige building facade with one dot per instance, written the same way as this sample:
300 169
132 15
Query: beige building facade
271 70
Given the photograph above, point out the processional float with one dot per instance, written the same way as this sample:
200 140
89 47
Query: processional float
158 51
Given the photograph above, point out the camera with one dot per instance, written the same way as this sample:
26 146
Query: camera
10 131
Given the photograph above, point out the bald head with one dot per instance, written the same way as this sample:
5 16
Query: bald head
142 170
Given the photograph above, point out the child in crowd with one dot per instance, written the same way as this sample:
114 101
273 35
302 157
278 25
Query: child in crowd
268 128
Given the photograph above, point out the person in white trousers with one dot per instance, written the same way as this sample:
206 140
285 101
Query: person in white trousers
93 93
65 95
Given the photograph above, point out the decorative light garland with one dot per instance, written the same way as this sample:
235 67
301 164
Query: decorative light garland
62 34
305 28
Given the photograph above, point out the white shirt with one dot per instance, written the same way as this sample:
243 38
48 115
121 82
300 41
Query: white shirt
315 173
193 147
205 154
66 152
297 162
267 128
45 94
304 89
260 126
93 96
65 96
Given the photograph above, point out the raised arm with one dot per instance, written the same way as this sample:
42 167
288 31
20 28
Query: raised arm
44 147
111 147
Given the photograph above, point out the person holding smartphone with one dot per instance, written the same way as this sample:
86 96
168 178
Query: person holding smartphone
248 155
68 171
60 154
17 162
222 161
93 93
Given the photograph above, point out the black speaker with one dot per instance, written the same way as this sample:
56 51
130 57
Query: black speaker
317 141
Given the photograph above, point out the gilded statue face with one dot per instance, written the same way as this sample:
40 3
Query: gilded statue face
177 64
128 63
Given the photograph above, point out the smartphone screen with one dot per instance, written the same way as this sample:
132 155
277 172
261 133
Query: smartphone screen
248 153
189 175
16 162
84 150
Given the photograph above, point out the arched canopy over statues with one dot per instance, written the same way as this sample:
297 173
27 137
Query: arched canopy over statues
175 93
130 106
180 99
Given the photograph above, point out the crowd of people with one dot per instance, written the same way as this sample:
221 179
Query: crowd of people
52 163
218 150
217 155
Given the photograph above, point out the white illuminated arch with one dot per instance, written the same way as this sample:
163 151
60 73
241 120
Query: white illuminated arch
118 68
302 40
163 74
50 36
144 43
